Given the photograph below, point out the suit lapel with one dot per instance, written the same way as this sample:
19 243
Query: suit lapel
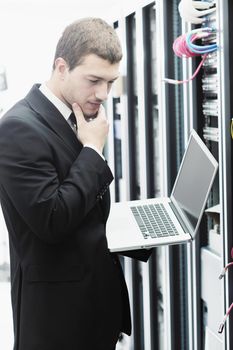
53 118
55 121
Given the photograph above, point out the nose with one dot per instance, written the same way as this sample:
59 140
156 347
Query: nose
101 92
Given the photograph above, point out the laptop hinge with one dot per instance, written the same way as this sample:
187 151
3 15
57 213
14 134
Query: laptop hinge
175 211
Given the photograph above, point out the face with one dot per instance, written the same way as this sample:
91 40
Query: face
88 84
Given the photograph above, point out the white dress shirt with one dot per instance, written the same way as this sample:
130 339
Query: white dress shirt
63 109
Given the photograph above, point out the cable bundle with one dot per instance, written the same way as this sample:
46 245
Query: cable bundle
193 11
184 47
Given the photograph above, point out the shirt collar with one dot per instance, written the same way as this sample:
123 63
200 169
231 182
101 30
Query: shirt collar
61 106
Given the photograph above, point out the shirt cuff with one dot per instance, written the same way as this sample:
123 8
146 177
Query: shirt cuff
95 149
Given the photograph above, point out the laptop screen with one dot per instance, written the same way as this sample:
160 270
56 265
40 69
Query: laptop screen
194 181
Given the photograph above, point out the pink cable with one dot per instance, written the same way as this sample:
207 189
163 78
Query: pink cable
181 49
225 270
171 81
229 310
220 330
230 264
221 326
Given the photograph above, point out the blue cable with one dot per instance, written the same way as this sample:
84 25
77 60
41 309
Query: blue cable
197 48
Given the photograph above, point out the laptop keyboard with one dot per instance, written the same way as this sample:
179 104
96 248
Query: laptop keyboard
154 221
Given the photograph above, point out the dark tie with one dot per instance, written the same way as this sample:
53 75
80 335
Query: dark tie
73 123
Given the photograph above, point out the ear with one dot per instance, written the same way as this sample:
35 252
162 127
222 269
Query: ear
61 67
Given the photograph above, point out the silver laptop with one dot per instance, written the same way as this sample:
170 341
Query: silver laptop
161 221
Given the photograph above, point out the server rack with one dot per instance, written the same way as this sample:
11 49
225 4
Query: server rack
208 104
152 121
230 237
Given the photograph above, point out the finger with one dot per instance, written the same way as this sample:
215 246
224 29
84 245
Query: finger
77 112
101 111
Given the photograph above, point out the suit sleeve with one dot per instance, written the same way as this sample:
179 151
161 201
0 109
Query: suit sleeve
29 180
138 254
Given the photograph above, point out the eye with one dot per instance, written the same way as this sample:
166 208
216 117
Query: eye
93 81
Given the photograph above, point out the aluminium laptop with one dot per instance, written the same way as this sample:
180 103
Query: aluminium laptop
152 222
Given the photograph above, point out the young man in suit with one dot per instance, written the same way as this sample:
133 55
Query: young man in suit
68 290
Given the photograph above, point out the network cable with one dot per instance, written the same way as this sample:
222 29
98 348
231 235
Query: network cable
196 11
222 325
184 47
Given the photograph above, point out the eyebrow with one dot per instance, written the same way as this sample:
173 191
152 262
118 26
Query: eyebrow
101 78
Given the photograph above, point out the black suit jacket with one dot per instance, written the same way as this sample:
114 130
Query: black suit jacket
68 290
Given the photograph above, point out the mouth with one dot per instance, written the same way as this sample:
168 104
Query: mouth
94 103
93 106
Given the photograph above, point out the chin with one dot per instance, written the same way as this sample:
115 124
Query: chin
90 114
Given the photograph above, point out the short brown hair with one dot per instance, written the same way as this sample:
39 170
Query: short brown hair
88 36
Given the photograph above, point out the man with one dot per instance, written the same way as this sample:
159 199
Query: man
68 290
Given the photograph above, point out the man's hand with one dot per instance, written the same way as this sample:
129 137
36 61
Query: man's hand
92 132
